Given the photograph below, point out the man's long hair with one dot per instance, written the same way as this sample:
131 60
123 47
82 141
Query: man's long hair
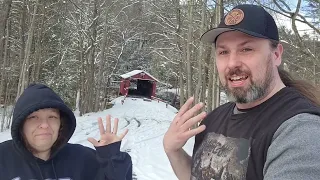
304 87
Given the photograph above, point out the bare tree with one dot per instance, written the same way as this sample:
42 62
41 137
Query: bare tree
189 50
24 76
201 52
102 56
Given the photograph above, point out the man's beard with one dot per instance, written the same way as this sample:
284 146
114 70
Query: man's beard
255 91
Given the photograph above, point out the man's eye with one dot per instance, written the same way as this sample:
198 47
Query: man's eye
223 52
246 49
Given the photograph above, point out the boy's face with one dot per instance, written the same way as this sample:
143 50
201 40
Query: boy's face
41 129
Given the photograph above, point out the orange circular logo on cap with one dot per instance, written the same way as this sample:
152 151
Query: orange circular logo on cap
234 17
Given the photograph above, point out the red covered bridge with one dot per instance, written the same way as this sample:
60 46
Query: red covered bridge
138 83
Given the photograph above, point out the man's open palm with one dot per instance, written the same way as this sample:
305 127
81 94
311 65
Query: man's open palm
180 129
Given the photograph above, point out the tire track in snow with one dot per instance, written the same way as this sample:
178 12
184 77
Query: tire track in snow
128 122
145 132
139 123
143 128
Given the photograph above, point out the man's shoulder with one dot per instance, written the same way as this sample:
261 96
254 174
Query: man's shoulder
305 117
300 121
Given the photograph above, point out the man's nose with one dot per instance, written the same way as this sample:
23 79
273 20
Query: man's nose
233 61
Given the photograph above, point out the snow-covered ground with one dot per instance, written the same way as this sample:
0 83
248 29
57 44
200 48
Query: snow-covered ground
147 123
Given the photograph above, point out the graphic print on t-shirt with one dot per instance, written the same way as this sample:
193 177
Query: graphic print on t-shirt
220 157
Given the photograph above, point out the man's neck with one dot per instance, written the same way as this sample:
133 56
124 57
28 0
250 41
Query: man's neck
272 92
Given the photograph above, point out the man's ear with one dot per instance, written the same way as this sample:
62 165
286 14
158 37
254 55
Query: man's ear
277 53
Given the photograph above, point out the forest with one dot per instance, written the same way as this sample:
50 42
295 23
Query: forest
80 47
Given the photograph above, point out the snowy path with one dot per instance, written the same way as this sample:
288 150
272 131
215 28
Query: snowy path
147 122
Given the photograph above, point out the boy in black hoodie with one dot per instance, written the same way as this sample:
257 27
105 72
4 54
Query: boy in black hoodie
42 125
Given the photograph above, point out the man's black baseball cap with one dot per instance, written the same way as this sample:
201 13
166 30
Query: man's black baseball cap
249 19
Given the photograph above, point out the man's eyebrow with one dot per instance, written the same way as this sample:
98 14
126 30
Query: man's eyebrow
241 44
220 46
245 42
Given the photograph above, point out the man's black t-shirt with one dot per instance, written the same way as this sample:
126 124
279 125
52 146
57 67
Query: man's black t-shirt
234 145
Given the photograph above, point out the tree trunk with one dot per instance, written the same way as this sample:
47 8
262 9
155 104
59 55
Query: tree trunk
6 103
178 42
4 75
22 47
25 65
189 46
4 15
219 16
4 117
81 84
210 86
102 61
90 73
216 90
206 74
201 50
4 39
38 46
77 111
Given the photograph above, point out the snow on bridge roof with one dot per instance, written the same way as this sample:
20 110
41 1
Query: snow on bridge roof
135 72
